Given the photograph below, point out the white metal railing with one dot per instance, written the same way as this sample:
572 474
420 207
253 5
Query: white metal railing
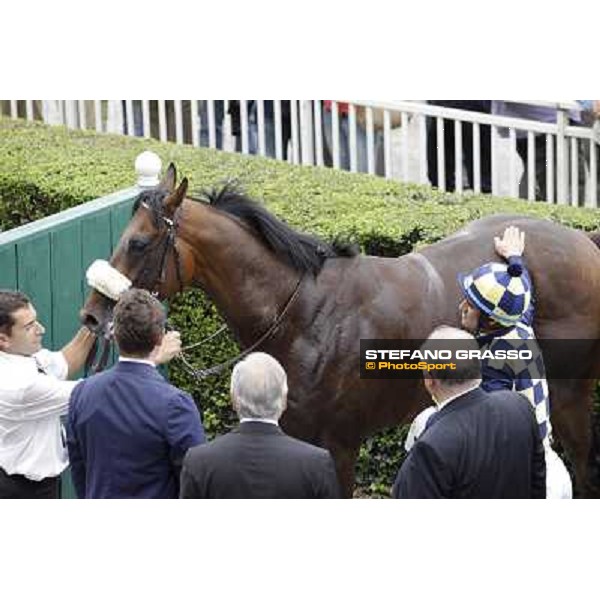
377 137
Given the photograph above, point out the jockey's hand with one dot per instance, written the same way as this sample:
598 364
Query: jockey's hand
169 348
512 243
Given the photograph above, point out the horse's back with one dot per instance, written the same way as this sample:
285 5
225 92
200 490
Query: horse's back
494 225
564 264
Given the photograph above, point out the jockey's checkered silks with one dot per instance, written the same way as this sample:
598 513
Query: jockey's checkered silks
501 291
525 376
106 279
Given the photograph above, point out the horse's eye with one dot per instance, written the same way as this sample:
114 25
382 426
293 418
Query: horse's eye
137 245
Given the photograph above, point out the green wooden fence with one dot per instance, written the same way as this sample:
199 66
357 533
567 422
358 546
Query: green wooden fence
47 261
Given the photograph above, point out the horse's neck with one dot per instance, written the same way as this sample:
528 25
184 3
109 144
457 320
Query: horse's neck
249 285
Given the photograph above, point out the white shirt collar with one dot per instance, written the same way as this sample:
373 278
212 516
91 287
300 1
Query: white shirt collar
248 420
50 363
461 393
16 357
143 361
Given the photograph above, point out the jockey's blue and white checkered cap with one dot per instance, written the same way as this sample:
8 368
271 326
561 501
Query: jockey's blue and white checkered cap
498 290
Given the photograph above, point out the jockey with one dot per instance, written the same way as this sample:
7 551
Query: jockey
498 310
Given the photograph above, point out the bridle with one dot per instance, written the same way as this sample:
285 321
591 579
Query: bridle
166 245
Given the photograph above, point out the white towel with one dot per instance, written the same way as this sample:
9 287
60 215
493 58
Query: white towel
106 279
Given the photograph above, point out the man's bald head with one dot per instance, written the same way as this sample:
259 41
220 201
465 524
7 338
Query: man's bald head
259 387
467 369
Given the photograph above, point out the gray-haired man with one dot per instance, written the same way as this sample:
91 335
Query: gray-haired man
258 460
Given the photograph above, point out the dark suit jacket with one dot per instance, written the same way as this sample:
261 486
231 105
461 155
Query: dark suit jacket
127 432
258 460
480 445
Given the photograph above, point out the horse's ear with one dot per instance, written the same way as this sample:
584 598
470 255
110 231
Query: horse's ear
173 201
168 181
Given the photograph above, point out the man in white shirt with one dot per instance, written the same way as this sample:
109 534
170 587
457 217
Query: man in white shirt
34 394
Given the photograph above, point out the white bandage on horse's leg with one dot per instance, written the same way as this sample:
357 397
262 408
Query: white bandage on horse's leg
106 279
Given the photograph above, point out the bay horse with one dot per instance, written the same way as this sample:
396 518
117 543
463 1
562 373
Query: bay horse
258 271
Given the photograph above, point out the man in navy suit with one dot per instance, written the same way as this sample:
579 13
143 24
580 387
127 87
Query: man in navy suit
258 460
477 444
128 429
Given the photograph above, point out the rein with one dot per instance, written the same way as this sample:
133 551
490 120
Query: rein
206 339
200 374
90 367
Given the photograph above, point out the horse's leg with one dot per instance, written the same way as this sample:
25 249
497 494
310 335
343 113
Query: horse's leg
571 420
343 451
344 457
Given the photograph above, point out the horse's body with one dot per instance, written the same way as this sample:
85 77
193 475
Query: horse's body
405 298
364 297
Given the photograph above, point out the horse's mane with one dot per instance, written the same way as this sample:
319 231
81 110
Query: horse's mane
302 252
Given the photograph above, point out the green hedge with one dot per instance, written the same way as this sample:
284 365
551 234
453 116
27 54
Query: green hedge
47 169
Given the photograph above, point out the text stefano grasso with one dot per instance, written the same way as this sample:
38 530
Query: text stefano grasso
484 354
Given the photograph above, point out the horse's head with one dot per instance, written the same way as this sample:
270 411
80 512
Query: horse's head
150 253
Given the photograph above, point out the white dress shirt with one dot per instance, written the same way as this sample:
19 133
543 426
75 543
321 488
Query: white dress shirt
31 403
257 420
141 361
419 424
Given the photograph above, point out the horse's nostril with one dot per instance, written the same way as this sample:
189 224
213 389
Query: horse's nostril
91 322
